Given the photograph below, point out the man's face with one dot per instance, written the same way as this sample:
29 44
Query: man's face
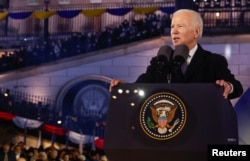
182 30
18 150
6 147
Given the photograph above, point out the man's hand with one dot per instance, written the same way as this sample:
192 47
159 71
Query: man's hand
228 87
115 82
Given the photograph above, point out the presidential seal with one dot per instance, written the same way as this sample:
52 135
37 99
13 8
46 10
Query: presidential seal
163 116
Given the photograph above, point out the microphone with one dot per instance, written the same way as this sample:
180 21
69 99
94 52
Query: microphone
180 55
163 63
164 54
179 58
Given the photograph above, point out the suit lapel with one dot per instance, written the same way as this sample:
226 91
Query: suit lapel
196 62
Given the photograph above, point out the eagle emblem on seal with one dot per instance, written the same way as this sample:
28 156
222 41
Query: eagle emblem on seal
163 114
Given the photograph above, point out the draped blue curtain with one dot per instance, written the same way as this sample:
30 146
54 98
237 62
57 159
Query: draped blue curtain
20 15
68 14
168 10
119 11
74 13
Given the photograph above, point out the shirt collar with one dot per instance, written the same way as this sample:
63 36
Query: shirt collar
191 53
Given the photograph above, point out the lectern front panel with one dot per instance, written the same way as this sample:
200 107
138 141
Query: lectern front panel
162 122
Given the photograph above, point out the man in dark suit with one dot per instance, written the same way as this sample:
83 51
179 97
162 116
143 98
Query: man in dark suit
203 66
6 154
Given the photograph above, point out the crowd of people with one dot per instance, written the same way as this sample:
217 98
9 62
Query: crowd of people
19 152
57 47
186 29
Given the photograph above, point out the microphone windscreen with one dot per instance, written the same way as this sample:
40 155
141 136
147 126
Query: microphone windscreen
164 53
181 53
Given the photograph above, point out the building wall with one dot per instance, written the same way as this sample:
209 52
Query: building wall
20 3
130 64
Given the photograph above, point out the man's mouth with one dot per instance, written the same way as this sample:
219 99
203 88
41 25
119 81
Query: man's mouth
176 39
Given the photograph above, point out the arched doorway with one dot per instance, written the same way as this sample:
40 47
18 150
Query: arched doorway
83 104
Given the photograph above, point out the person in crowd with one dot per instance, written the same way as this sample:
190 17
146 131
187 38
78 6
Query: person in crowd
20 151
82 157
21 159
94 155
42 156
53 155
32 154
6 154
61 154
65 157
203 66
104 158
75 155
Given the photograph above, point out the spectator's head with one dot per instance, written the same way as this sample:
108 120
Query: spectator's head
75 154
6 147
103 158
53 154
42 156
82 157
21 159
66 157
18 149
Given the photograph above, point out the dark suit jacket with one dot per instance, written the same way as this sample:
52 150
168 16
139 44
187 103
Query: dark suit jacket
205 67
11 156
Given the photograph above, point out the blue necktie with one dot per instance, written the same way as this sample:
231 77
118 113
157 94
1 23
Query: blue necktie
184 67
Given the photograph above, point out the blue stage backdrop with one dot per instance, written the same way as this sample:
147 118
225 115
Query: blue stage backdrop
242 108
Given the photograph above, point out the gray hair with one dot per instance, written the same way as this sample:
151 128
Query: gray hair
196 18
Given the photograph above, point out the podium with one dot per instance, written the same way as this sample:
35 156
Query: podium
159 122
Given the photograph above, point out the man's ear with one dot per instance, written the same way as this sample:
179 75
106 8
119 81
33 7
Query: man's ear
197 32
